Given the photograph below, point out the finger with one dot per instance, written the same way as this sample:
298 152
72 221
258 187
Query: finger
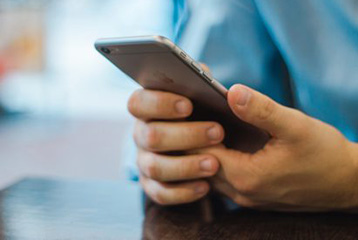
231 159
237 168
262 112
229 191
176 136
150 104
174 168
174 193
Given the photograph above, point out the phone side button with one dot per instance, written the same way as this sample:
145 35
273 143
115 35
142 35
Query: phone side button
182 54
207 77
196 66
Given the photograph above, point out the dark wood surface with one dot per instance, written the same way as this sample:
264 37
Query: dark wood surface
36 209
63 209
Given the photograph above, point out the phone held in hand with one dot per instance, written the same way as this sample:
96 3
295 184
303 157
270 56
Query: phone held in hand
158 64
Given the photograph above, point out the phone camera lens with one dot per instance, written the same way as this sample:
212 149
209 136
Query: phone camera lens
105 50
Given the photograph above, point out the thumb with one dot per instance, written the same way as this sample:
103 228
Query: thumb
263 112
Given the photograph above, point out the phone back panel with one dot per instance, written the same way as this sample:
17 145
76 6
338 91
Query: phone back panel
154 65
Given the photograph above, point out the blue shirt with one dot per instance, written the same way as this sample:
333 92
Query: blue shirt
301 53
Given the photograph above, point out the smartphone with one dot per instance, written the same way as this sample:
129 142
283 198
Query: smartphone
157 63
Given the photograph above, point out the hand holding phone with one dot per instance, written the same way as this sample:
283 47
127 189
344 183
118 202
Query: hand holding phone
157 64
181 109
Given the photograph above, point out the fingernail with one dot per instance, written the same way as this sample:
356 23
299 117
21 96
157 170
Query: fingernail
244 95
213 133
206 165
201 189
182 107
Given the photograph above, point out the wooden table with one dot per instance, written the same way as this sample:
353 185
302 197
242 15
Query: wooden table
59 209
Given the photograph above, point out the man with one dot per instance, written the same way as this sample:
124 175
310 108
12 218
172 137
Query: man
302 59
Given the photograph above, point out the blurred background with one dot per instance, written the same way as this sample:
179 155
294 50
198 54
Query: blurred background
48 64
63 106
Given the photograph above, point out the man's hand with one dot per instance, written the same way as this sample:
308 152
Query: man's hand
306 166
161 128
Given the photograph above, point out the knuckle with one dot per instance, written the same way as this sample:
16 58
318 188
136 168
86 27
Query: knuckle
302 126
158 102
250 187
267 110
151 138
158 197
151 168
154 191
